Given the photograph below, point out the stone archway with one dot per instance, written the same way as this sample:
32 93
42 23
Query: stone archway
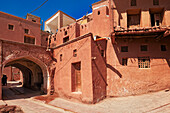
35 72
10 52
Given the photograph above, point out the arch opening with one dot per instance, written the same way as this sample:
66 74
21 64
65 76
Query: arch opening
33 73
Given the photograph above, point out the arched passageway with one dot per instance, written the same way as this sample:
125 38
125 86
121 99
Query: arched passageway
34 73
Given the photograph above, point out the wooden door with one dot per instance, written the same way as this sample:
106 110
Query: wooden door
76 77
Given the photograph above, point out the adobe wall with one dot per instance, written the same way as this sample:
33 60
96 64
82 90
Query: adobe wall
62 78
44 38
72 31
120 11
99 72
99 25
20 24
12 73
131 80
16 74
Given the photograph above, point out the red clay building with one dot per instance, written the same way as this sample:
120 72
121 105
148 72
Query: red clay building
120 49
21 30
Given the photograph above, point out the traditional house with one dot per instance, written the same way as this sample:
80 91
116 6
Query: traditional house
120 49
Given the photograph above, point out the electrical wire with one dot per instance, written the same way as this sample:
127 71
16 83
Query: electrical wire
37 8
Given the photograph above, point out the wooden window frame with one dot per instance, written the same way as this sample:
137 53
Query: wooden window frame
29 40
144 62
25 31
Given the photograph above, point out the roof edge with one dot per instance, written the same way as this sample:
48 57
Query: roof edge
62 13
99 2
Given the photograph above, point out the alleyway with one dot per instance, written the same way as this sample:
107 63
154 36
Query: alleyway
157 102
23 97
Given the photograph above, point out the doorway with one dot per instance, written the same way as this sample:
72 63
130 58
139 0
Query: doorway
76 77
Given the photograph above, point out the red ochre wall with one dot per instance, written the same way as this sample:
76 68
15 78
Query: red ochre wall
62 78
8 71
19 25
12 73
99 71
130 79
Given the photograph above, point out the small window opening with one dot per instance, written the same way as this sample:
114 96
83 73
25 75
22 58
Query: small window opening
144 62
144 48
133 2
26 31
55 39
102 53
46 39
34 20
10 27
29 40
124 61
61 57
163 47
152 20
133 20
124 48
66 39
98 12
65 33
157 22
75 53
155 2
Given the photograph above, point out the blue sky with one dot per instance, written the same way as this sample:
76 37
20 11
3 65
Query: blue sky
74 8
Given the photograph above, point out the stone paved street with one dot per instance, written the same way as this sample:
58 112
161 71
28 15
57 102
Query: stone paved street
25 101
157 102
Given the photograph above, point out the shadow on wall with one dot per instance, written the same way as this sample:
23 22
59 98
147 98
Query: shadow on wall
114 70
135 52
102 76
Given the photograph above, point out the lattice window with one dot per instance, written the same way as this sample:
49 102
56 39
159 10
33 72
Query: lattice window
144 62
29 40
133 20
